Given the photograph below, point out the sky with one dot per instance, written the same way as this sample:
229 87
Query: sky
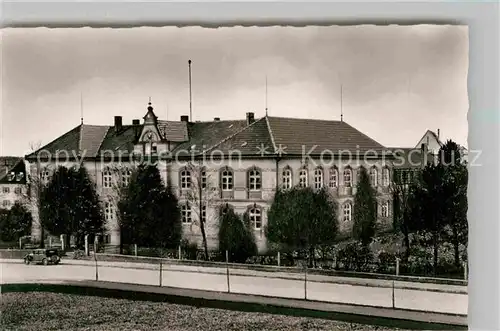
397 81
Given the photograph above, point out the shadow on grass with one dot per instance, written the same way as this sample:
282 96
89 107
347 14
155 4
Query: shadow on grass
229 305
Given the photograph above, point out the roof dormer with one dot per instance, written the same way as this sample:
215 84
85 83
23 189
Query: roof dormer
150 117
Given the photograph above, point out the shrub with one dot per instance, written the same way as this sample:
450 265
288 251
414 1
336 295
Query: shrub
355 257
189 250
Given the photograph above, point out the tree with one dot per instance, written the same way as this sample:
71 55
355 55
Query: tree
302 219
15 223
428 206
365 210
455 187
148 211
200 196
235 235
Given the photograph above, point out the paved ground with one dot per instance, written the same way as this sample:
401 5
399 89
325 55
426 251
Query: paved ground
370 292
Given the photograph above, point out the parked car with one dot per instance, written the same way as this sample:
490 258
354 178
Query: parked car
43 256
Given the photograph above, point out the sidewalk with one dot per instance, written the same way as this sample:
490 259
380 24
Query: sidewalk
265 304
379 283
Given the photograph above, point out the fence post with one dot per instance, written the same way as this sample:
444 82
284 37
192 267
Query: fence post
161 270
135 249
21 243
87 253
95 258
279 260
61 237
393 297
397 266
50 242
465 271
180 253
227 271
305 282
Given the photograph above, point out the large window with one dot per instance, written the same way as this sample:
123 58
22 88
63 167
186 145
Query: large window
109 212
254 180
385 176
374 177
203 213
227 180
303 178
334 177
106 178
318 178
287 178
186 214
185 179
347 212
348 177
255 218
126 173
385 209
45 176
203 178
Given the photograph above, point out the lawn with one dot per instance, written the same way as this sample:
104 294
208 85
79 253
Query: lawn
50 311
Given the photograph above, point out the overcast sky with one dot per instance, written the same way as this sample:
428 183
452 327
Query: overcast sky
397 81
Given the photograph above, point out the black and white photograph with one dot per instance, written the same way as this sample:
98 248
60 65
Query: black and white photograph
235 178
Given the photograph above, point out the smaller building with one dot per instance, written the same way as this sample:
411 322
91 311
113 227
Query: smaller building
12 181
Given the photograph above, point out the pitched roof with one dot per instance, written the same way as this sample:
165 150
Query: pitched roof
12 170
408 157
292 136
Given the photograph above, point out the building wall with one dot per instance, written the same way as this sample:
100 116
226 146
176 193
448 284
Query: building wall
10 194
239 198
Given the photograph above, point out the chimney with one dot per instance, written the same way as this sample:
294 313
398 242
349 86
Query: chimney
184 118
250 118
216 119
135 124
118 123
438 133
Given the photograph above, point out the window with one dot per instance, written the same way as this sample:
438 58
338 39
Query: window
45 176
287 179
107 239
19 176
6 189
106 178
126 173
255 218
385 209
347 212
227 180
334 177
318 178
374 177
385 177
254 180
154 148
204 213
203 179
185 179
108 211
18 190
6 203
303 178
186 214
348 177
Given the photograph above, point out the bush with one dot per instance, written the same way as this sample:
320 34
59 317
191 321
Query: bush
355 257
236 237
189 250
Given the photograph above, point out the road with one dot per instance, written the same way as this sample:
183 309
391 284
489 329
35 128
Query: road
369 292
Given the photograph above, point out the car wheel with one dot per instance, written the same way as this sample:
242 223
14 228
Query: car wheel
26 261
45 262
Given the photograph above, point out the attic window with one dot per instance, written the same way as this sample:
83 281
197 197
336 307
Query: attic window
19 176
11 176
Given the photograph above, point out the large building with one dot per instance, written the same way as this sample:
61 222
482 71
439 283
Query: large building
12 181
241 161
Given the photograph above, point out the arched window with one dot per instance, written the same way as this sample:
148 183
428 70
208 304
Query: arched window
374 176
126 173
227 179
186 213
106 178
45 176
334 177
185 179
254 180
255 218
287 178
385 209
303 177
347 212
385 176
347 177
318 178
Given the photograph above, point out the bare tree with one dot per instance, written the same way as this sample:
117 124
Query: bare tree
201 195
